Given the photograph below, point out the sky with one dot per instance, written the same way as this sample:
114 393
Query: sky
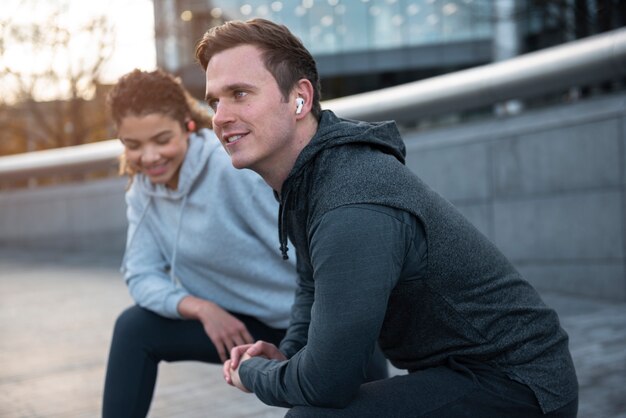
132 20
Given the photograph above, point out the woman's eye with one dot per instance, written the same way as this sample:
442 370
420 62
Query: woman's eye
130 145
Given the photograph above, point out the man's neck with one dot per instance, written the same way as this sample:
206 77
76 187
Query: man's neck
275 176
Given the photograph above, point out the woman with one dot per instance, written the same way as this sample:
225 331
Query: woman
201 259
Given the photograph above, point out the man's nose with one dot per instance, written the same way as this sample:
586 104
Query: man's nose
222 115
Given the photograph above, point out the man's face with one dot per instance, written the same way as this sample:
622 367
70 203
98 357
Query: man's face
252 119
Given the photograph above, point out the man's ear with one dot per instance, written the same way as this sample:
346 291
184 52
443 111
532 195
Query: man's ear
303 94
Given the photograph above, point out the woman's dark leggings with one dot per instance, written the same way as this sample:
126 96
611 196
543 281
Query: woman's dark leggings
142 339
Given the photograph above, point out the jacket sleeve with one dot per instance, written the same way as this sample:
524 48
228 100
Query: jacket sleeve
357 255
297 333
144 268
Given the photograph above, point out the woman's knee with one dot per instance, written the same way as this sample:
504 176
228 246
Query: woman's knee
132 323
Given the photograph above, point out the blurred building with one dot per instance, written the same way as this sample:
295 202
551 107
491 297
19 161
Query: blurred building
363 45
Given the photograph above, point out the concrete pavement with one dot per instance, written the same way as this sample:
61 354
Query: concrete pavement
57 311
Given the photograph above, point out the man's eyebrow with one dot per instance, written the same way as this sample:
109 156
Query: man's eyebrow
232 87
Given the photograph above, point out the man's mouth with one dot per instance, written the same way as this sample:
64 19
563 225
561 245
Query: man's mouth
233 138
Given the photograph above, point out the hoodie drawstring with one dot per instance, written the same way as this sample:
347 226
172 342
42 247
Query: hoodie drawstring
282 234
132 237
282 230
175 249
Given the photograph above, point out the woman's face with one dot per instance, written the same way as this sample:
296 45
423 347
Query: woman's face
154 145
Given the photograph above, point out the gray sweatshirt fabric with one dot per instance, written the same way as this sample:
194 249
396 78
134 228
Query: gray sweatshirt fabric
214 238
382 256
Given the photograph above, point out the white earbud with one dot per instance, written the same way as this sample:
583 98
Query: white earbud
299 104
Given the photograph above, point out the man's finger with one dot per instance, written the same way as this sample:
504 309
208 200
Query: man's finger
235 355
256 349
226 372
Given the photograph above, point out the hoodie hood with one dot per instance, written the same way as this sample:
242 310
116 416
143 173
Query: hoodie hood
201 145
335 132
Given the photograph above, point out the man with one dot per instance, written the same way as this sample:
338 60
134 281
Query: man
380 257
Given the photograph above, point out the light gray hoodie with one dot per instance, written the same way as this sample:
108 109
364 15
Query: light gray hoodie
214 238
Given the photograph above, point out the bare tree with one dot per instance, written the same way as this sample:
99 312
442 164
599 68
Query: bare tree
53 102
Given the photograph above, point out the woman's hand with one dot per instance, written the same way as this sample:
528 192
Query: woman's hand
224 330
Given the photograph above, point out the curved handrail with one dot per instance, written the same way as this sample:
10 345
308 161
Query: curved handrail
80 158
594 59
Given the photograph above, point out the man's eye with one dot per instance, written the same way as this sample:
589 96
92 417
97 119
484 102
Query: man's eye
213 104
240 94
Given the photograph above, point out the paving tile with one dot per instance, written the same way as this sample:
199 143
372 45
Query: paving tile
57 312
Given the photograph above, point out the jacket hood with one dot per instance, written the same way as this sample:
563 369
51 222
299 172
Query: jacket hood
201 145
333 131
337 132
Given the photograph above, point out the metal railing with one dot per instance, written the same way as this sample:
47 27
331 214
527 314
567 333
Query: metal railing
77 159
578 63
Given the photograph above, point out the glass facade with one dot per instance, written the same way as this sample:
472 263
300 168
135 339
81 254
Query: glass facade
338 26
359 45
